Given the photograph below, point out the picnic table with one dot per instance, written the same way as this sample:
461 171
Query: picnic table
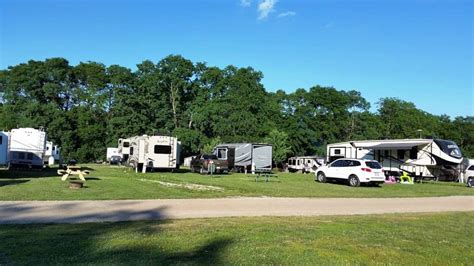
265 175
73 170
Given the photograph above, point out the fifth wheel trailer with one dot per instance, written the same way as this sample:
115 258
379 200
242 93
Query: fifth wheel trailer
153 152
245 156
422 158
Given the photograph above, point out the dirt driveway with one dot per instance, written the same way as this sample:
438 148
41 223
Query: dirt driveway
16 212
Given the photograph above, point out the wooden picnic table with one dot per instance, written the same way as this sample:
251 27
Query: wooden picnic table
73 170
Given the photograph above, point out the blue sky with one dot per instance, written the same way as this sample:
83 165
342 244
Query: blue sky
420 51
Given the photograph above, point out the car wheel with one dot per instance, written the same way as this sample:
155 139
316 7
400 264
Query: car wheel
470 182
354 181
321 177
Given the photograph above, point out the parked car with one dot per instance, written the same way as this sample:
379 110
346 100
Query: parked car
355 171
204 163
115 160
469 175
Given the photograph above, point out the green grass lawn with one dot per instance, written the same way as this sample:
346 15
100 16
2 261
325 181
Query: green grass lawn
107 182
408 239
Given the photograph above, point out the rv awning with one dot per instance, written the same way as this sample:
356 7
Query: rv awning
381 145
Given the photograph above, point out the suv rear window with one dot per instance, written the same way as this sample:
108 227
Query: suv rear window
352 163
373 165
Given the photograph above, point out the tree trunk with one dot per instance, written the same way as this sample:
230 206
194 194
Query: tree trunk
173 104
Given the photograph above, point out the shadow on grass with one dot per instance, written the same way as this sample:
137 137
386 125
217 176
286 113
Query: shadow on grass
92 178
134 243
25 173
12 182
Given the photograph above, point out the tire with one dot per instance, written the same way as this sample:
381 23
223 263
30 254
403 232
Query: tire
321 177
470 182
354 181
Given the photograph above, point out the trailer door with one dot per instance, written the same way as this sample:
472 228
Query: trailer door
231 157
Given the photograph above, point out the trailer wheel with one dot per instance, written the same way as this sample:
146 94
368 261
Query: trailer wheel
354 181
321 177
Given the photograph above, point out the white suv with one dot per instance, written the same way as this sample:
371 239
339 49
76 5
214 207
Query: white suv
354 170
469 175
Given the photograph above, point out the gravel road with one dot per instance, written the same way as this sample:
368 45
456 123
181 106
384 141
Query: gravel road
21 212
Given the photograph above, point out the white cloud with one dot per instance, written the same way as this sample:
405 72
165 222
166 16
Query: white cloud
245 3
286 14
265 7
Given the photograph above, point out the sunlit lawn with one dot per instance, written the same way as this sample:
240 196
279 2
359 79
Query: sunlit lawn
108 182
408 239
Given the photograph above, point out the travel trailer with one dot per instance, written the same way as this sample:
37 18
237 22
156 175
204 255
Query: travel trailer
304 164
422 158
112 152
245 157
4 137
52 154
27 148
153 152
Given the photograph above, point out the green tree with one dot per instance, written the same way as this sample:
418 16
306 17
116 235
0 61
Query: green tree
281 148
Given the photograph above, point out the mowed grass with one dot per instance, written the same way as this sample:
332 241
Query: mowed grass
408 239
108 182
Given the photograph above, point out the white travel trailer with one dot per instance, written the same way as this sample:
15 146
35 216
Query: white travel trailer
52 154
305 164
4 137
422 158
112 152
154 152
246 156
27 148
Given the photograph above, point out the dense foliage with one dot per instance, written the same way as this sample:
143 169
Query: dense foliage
86 108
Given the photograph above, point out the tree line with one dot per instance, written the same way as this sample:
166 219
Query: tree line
87 107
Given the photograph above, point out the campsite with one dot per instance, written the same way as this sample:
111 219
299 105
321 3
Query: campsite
112 182
239 132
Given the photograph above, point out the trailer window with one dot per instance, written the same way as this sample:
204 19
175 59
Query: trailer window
131 150
414 152
337 151
1 140
401 154
162 149
222 154
126 144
